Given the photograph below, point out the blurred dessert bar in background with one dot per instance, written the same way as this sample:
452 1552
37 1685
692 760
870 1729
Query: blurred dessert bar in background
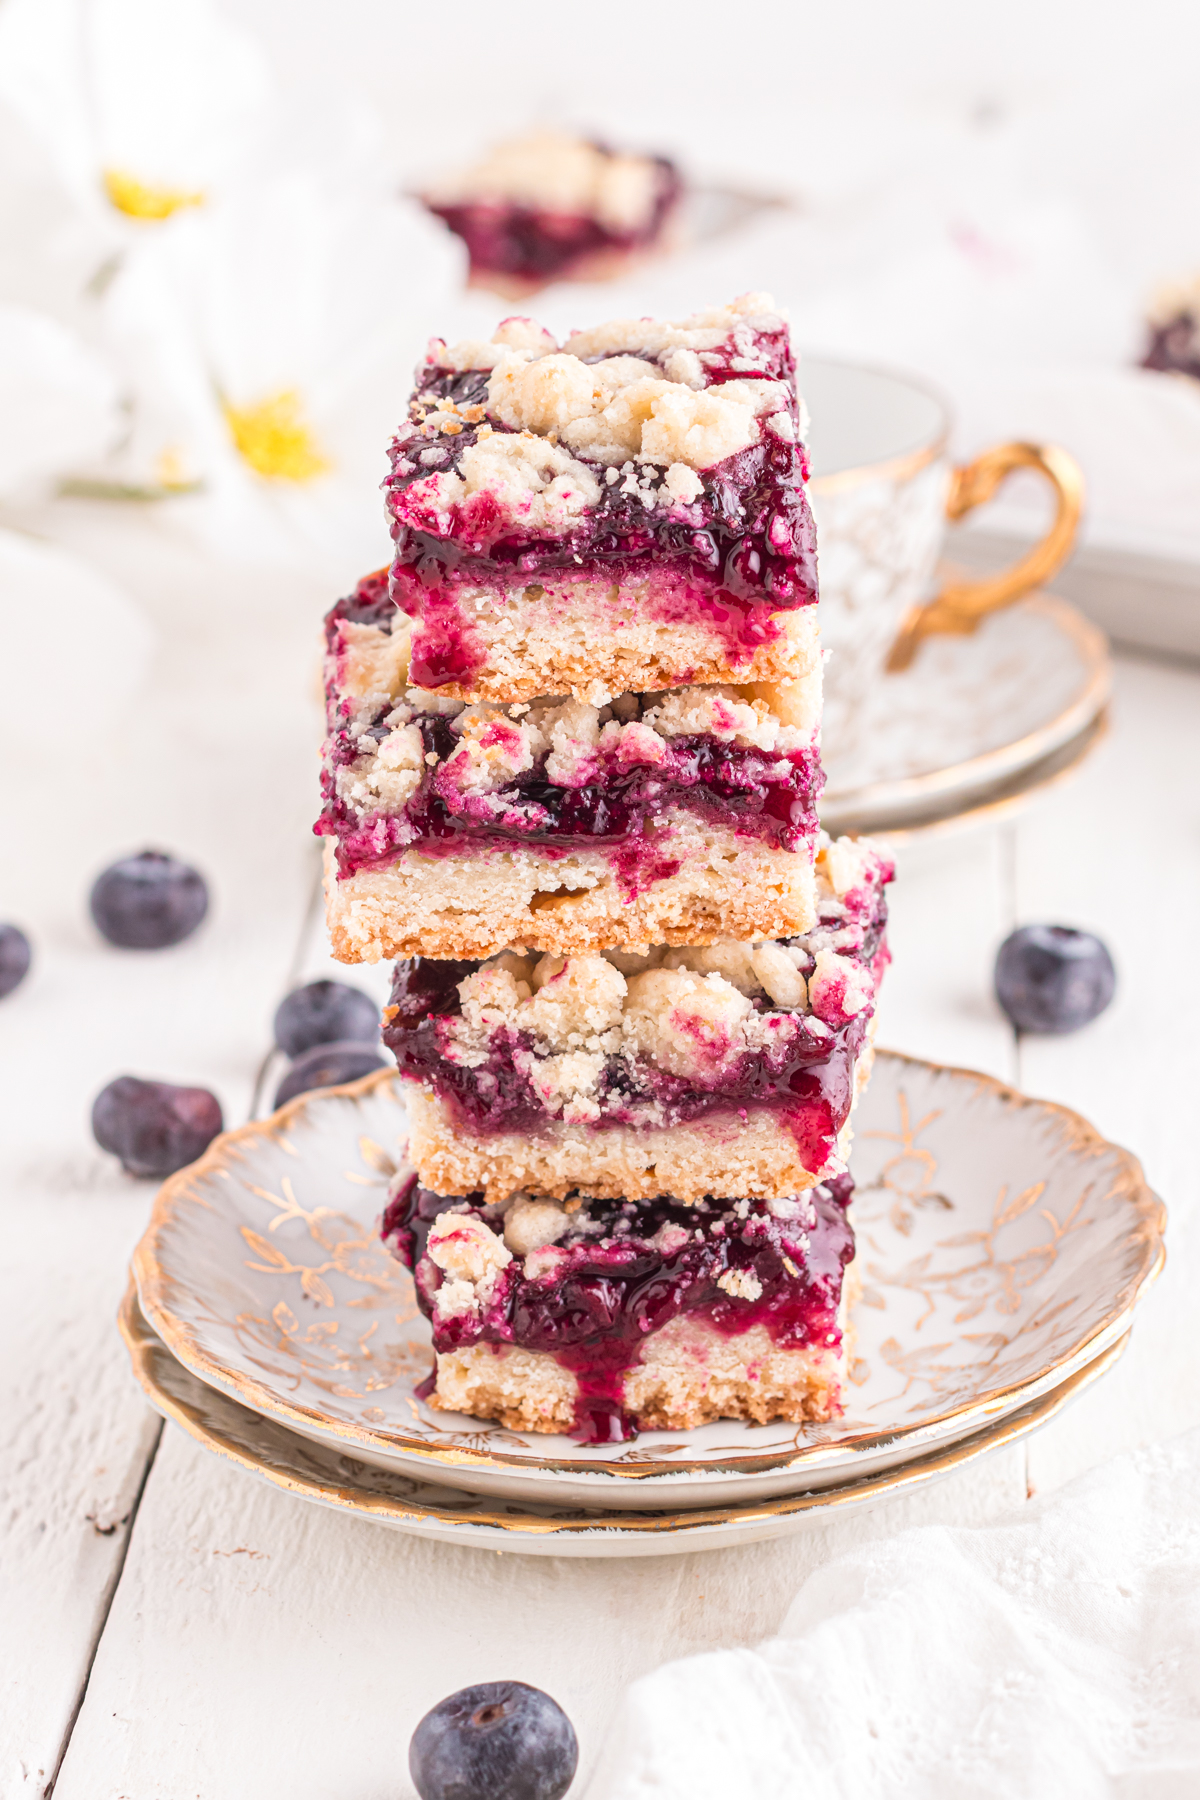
554 207
600 1317
1174 321
730 1069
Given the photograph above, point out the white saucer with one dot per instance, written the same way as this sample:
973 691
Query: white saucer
969 714
1003 1245
434 1509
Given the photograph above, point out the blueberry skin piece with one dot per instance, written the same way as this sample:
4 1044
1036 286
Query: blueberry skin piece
325 1012
327 1065
1053 979
148 901
15 958
501 1740
153 1127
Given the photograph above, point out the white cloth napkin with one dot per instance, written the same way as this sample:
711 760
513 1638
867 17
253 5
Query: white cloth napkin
1055 1656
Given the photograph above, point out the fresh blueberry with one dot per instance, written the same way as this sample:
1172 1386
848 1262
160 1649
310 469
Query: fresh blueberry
148 901
325 1012
153 1127
1052 978
501 1740
328 1065
15 957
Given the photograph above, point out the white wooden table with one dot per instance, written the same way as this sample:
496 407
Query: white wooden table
170 1628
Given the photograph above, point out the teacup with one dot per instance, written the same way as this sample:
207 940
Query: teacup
883 490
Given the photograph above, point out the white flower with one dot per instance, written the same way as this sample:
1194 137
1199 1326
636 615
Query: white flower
76 648
142 106
58 402
269 343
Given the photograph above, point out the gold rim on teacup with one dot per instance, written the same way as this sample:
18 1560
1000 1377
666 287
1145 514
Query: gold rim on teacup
961 605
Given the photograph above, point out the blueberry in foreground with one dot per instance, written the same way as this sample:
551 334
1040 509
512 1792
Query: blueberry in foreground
153 1127
328 1065
15 958
325 1012
1052 978
500 1740
148 901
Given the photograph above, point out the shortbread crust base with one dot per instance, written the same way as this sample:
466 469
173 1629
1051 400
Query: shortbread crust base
688 1375
477 904
752 1155
597 639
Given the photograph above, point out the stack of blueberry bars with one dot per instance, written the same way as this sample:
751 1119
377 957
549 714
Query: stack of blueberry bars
571 780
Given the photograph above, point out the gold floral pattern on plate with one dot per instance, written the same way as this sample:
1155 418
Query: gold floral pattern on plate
1003 1245
434 1509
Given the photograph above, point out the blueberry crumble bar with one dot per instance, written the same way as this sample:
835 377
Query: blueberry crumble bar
1174 321
624 514
597 1318
570 781
459 829
633 1074
552 207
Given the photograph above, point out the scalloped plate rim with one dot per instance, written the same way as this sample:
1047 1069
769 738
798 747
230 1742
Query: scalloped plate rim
389 1446
623 1531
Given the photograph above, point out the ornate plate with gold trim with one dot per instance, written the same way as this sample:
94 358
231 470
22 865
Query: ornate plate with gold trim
434 1509
1005 800
971 716
1003 1245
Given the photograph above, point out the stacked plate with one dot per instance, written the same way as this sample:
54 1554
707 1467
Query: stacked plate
1003 1246
975 728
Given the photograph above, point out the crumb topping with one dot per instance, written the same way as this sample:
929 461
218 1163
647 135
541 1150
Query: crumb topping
550 171
1175 300
520 434
568 1025
379 759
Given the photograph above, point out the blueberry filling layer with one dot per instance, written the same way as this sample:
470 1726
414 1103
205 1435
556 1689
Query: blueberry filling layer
1174 346
669 1046
618 1272
536 243
749 537
559 776
770 798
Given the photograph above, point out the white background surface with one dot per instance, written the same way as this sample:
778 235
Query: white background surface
221 1641
987 194
255 1646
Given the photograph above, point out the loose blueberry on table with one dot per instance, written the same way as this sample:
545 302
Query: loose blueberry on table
15 958
499 1740
328 1065
1053 978
153 1127
148 901
325 1012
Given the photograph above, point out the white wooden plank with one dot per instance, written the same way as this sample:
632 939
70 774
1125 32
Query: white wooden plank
950 906
261 1646
215 761
209 1652
1118 852
217 1561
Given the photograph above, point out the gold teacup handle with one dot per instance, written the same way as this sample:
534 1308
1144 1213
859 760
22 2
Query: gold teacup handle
962 604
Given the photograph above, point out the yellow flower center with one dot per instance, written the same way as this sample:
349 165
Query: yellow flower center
140 201
170 471
274 438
